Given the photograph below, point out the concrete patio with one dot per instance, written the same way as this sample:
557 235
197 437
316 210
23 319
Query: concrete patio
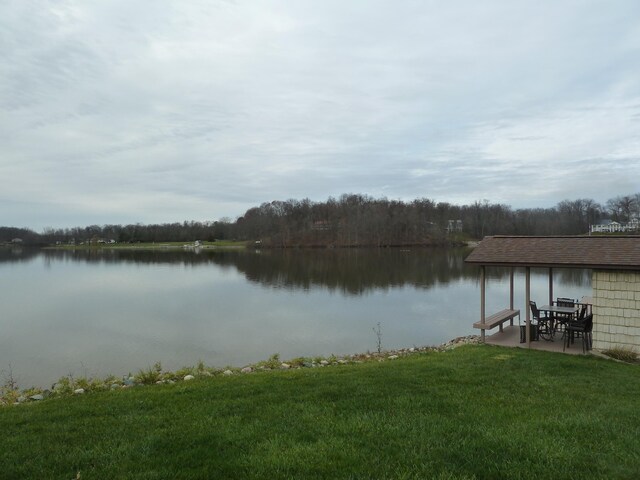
510 337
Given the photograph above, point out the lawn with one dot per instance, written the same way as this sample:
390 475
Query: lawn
472 412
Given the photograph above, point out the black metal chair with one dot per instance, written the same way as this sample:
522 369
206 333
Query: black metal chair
544 323
563 319
582 327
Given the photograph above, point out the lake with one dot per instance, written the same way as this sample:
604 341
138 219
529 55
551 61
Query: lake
99 312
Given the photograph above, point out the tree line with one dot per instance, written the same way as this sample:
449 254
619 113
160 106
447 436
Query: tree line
356 220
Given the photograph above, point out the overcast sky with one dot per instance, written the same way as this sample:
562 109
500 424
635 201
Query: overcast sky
162 111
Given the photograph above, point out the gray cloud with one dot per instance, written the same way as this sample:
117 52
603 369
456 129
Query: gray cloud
159 111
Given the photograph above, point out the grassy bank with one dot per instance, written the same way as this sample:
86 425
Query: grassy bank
472 412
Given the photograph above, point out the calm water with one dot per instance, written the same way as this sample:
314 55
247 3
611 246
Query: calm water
95 313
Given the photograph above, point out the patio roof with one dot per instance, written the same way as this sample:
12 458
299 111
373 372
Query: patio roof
598 252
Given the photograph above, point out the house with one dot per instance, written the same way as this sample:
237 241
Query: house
454 226
615 279
321 225
612 227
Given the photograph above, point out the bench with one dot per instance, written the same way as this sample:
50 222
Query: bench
497 319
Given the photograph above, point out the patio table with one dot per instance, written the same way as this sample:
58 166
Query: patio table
558 312
557 309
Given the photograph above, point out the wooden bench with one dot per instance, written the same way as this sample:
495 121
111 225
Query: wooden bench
497 319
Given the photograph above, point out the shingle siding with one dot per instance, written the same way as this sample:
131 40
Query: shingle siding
616 309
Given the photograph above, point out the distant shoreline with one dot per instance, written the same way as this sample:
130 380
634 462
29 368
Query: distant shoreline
239 245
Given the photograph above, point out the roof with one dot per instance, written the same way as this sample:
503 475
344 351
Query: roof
597 252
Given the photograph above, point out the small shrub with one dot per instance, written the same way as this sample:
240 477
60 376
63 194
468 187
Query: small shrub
298 362
378 331
183 372
273 362
622 353
200 367
83 383
9 391
64 386
8 397
151 375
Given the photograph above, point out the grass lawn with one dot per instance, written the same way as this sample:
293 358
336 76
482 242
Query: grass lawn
473 412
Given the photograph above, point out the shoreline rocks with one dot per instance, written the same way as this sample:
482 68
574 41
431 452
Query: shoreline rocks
66 387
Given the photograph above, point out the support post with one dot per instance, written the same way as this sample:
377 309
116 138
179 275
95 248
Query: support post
527 308
550 286
482 300
511 289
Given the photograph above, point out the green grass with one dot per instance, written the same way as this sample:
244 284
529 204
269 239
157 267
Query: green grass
473 412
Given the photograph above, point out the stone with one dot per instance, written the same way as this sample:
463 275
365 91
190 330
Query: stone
392 357
79 391
130 382
37 397
285 366
247 370
114 386
227 372
342 362
324 362
188 377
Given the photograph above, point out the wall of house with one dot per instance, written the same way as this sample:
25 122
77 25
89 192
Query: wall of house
616 309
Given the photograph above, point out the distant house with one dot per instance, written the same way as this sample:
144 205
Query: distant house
16 241
613 227
454 226
321 225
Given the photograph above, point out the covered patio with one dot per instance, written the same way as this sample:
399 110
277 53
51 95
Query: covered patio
614 299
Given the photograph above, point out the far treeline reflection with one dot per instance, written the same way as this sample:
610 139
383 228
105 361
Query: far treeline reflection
351 271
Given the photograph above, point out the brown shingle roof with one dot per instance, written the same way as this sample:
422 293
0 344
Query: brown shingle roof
605 252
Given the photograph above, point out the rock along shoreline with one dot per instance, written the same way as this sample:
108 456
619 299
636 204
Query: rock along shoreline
68 386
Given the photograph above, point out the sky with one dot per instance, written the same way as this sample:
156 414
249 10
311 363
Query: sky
156 111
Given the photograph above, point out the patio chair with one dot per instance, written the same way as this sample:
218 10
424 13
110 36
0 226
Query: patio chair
563 319
579 319
544 323
583 327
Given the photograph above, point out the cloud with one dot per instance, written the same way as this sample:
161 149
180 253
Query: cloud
198 110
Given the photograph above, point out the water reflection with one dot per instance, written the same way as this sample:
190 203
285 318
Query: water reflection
15 254
113 311
350 271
